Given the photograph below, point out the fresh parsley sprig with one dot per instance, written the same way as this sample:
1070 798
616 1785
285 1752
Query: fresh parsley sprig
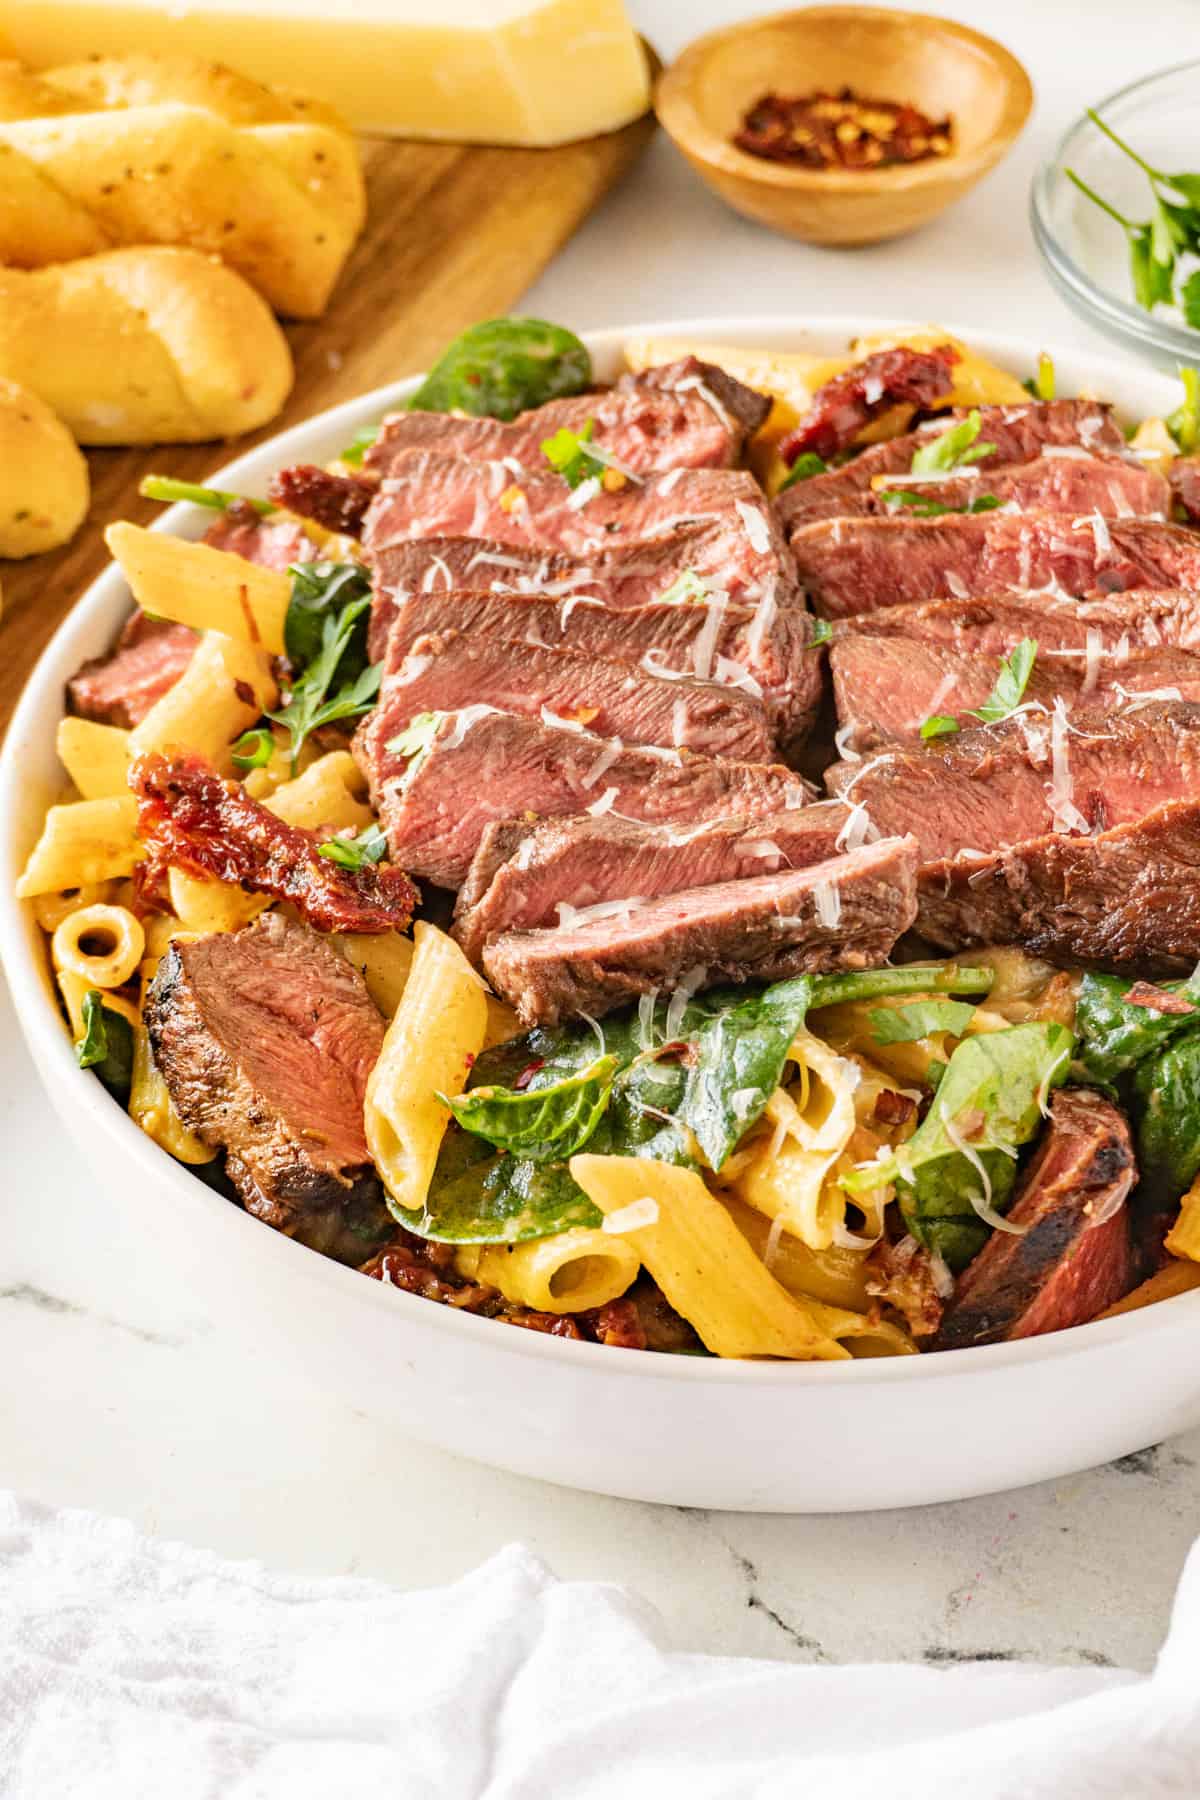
1156 244
310 703
567 453
1004 699
955 448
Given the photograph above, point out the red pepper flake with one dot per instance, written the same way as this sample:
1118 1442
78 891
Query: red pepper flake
1156 999
841 131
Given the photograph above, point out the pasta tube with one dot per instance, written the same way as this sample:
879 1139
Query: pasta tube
117 945
328 794
384 960
814 1120
81 843
430 1044
201 586
203 905
75 988
224 689
96 757
837 1277
51 909
702 1262
1183 1239
571 1272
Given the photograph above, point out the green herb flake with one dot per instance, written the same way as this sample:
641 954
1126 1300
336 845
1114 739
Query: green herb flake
919 1019
417 736
568 456
368 846
1013 679
686 590
822 633
925 508
359 444
167 489
955 448
253 750
311 703
1184 422
939 725
806 465
1042 383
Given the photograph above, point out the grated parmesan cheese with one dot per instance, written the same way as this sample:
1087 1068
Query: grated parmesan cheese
1064 813
828 901
607 757
583 494
688 983
569 916
604 803
755 525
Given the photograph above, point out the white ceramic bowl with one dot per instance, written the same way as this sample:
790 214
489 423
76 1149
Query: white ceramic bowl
754 1436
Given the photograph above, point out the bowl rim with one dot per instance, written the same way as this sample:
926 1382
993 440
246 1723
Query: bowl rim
1125 317
40 705
684 124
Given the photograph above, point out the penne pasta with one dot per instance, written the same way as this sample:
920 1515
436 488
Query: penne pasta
572 1272
96 757
51 909
430 1044
329 795
1183 1239
75 989
702 1262
384 960
201 586
101 944
225 688
83 842
836 1276
203 904
809 1125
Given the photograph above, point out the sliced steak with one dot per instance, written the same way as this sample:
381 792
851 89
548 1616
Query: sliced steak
1127 899
684 415
1018 434
767 649
265 1038
1185 486
996 784
428 495
1073 1256
523 876
844 913
1111 485
446 671
852 566
338 502
481 766
843 405
275 543
1142 619
885 688
189 818
120 688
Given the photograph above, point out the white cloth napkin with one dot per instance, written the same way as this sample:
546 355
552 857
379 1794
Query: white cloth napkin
137 1670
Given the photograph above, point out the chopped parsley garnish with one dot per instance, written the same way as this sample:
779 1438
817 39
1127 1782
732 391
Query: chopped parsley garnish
368 846
1156 244
954 448
254 749
1005 697
685 588
417 735
568 455
168 490
939 725
310 703
807 464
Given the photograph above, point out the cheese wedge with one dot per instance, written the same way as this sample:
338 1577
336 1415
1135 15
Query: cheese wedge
530 72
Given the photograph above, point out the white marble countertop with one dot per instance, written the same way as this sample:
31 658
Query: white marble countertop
117 1395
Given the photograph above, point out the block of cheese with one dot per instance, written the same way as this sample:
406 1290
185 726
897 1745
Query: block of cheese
528 72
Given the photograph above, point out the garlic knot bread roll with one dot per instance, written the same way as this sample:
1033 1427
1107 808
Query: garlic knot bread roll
167 150
152 346
43 478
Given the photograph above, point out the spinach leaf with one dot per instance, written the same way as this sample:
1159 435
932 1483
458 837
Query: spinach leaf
359 444
544 1124
167 489
319 589
807 464
920 1019
503 367
953 448
106 1045
988 1102
568 455
367 846
1167 1103
1115 1035
737 1060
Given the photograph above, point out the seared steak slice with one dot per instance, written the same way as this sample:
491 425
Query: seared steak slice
428 495
842 914
275 543
338 502
447 670
265 1038
844 404
1185 485
685 415
481 766
852 566
190 818
522 874
997 784
767 648
1072 1257
1112 485
1128 899
885 688
1019 434
120 688
1142 619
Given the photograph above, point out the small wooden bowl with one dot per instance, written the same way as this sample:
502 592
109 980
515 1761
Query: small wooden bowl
943 68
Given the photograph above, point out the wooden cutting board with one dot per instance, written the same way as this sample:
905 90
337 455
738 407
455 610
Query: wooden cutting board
455 233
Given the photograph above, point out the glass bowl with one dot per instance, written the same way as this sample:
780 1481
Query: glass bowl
1084 251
